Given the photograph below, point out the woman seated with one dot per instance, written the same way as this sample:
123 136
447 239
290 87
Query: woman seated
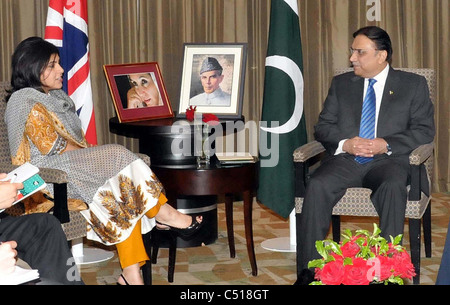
124 196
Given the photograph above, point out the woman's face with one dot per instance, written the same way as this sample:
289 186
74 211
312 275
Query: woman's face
145 88
52 75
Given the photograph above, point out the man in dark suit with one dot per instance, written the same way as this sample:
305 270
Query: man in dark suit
37 239
403 119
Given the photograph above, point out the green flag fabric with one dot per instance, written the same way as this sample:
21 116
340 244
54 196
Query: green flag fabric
282 127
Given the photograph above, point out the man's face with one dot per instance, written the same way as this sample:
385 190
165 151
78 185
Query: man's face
367 61
211 80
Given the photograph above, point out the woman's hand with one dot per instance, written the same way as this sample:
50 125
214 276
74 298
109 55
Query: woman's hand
134 100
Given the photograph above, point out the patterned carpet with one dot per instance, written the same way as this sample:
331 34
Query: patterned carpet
212 265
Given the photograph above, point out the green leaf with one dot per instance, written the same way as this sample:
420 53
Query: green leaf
321 249
347 235
376 230
333 246
395 280
362 232
348 261
316 263
398 239
384 247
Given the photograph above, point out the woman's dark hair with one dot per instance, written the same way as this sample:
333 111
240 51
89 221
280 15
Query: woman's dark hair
379 37
29 60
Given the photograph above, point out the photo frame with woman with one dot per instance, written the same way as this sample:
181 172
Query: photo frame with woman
138 91
213 79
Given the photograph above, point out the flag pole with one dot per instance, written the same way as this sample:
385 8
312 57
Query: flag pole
283 244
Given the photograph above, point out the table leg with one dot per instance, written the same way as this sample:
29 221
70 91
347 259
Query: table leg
229 221
248 211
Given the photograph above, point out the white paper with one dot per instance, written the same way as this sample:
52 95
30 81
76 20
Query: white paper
19 276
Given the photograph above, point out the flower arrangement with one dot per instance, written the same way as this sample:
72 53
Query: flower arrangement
362 259
208 118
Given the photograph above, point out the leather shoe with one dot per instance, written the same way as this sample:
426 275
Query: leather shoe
305 277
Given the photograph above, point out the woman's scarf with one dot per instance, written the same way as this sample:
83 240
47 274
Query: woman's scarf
57 102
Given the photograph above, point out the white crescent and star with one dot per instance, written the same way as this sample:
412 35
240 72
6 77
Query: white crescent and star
289 67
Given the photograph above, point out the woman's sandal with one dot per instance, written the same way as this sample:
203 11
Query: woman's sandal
186 232
124 279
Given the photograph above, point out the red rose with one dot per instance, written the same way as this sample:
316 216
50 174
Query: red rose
332 273
357 274
190 112
317 274
210 119
391 251
350 249
402 265
380 267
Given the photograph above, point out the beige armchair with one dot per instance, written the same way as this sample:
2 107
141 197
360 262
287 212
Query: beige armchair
356 201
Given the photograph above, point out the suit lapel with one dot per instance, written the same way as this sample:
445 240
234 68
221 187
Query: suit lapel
386 101
356 91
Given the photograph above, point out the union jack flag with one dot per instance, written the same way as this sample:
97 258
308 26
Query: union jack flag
67 28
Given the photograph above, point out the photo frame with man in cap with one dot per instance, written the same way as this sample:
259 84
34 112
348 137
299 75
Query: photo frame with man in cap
214 91
213 79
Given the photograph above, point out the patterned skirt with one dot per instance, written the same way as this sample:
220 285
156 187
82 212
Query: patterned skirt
118 186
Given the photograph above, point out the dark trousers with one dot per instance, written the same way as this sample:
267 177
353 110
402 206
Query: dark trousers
443 277
42 244
387 178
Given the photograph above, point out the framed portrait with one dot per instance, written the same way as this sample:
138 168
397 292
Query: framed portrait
213 79
138 91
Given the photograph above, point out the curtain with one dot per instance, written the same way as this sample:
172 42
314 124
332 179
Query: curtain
127 31
19 19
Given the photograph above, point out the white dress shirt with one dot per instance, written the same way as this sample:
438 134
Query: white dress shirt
378 87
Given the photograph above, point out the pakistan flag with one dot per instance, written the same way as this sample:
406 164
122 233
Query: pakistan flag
282 122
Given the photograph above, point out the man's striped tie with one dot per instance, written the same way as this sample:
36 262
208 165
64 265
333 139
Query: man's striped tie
367 128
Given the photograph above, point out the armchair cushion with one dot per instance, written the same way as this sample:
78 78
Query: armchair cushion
356 201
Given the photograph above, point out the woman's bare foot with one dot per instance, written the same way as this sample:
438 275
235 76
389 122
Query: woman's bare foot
167 215
131 275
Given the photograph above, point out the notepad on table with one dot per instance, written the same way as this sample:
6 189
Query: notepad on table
235 158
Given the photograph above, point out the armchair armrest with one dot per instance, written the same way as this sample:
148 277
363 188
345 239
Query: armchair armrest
421 154
308 151
304 156
416 159
59 180
51 175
